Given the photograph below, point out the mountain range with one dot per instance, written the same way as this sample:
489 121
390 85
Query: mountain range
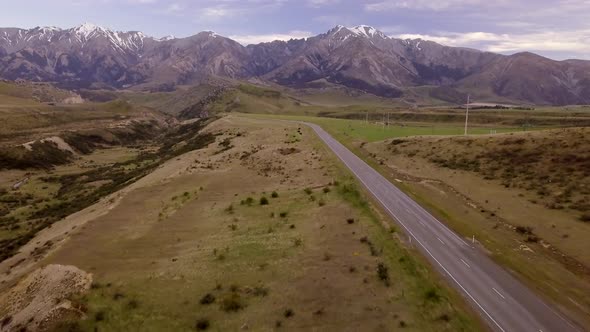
363 58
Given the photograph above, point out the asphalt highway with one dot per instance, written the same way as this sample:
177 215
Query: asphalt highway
502 301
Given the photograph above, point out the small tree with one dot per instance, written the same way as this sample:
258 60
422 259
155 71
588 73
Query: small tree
263 201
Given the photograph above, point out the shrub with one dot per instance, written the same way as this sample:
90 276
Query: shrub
585 217
263 201
289 313
202 324
232 303
248 201
432 295
444 318
350 221
230 209
326 190
308 191
524 229
298 242
283 214
321 202
207 299
274 194
383 273
99 316
133 304
260 291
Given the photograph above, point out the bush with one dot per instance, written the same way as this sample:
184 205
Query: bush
248 201
432 295
99 316
308 191
289 313
321 202
232 303
260 291
585 217
383 273
202 324
133 304
274 194
524 229
263 201
350 221
230 209
283 214
326 190
207 299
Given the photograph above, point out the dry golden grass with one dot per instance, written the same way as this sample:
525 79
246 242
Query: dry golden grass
188 230
522 196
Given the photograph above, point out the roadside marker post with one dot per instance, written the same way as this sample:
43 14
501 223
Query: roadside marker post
467 113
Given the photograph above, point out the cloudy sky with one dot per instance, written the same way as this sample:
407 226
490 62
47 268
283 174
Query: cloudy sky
558 29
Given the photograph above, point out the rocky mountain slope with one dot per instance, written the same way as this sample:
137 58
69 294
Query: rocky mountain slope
360 57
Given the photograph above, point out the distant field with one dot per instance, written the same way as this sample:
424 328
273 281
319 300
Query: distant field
354 130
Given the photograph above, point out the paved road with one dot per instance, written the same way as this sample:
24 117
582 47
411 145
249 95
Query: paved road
503 302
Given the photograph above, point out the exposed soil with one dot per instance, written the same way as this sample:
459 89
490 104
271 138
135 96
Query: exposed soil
44 298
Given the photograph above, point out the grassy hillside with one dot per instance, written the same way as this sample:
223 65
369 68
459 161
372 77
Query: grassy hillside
260 230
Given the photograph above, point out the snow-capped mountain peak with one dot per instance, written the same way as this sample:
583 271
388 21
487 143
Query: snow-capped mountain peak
366 31
86 30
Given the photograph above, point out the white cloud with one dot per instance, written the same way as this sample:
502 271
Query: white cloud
173 8
143 1
576 43
216 13
321 3
422 4
256 39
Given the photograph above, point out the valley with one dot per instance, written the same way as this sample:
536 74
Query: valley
330 181
250 232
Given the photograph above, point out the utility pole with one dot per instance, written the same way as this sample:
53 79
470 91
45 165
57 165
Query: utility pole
467 114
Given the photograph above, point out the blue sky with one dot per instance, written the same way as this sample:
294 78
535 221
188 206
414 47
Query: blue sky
558 29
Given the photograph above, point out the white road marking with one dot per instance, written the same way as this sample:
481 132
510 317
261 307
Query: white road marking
464 262
441 241
502 296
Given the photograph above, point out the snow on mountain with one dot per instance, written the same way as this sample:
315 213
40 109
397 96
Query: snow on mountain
87 30
366 31
166 38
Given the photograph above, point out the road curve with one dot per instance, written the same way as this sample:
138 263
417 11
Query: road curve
501 300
